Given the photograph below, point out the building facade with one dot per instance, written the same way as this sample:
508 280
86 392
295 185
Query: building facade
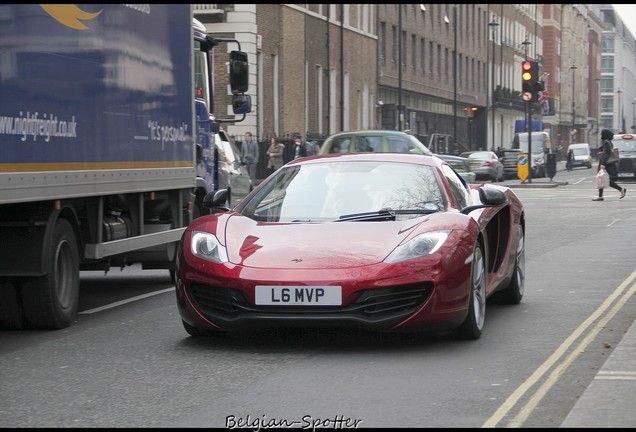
446 70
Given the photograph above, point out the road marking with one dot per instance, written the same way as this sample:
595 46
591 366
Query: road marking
538 374
123 302
616 375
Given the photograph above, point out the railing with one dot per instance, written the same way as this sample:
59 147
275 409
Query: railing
206 9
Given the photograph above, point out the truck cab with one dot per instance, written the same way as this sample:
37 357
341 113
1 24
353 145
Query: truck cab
210 175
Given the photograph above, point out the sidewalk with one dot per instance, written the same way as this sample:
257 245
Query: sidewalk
544 182
610 399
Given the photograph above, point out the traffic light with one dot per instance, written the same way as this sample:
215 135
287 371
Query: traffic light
530 83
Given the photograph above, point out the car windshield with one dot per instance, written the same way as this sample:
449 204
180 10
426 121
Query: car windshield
335 190
579 152
377 143
537 144
624 145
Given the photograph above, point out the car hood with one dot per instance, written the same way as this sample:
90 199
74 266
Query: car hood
313 245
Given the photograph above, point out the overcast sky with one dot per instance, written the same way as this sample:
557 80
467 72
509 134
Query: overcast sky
627 13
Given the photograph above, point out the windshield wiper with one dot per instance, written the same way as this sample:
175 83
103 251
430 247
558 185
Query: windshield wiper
381 215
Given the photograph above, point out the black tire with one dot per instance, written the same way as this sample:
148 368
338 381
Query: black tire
473 325
50 301
513 293
11 314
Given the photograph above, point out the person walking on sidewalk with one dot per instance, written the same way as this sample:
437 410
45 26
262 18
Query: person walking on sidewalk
604 152
275 155
249 155
569 164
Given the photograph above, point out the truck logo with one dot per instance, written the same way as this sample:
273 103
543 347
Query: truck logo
69 15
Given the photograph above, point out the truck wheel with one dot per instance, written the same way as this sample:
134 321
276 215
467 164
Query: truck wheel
50 301
10 309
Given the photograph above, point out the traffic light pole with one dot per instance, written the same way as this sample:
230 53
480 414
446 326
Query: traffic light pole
530 87
529 108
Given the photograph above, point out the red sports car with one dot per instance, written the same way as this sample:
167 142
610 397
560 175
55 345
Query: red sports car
375 241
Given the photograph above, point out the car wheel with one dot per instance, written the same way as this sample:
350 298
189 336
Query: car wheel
513 293
472 326
10 308
50 301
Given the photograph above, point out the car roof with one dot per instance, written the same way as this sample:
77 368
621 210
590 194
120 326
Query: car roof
421 159
369 132
624 136
450 157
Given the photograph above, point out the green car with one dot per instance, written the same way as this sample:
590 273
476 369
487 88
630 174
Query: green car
461 165
378 141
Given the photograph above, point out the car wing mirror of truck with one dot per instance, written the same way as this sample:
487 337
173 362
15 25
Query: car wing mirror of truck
241 103
239 72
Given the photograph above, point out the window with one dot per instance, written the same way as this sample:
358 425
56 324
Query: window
458 187
395 44
607 104
403 47
382 40
607 45
413 50
607 64
607 84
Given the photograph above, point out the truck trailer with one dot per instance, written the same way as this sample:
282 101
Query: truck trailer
106 145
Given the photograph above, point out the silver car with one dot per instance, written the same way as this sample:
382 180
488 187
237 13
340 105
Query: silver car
485 164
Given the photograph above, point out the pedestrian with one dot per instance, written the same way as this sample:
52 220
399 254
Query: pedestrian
275 155
313 148
300 150
604 152
569 162
249 155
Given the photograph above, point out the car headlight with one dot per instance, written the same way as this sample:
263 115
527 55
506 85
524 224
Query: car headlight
207 246
420 246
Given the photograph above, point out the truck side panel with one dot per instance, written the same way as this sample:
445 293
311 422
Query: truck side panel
97 154
96 99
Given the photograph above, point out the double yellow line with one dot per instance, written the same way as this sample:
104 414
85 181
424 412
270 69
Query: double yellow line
590 328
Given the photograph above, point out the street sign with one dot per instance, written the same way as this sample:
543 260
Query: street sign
522 166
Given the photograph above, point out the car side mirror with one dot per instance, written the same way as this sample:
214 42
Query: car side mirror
490 197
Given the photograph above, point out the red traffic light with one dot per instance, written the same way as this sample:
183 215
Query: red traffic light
526 65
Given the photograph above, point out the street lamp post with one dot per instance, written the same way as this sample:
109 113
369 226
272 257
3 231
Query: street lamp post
493 25
618 112
400 113
598 121
573 69
454 74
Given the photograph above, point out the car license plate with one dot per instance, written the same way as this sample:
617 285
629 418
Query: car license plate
299 295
